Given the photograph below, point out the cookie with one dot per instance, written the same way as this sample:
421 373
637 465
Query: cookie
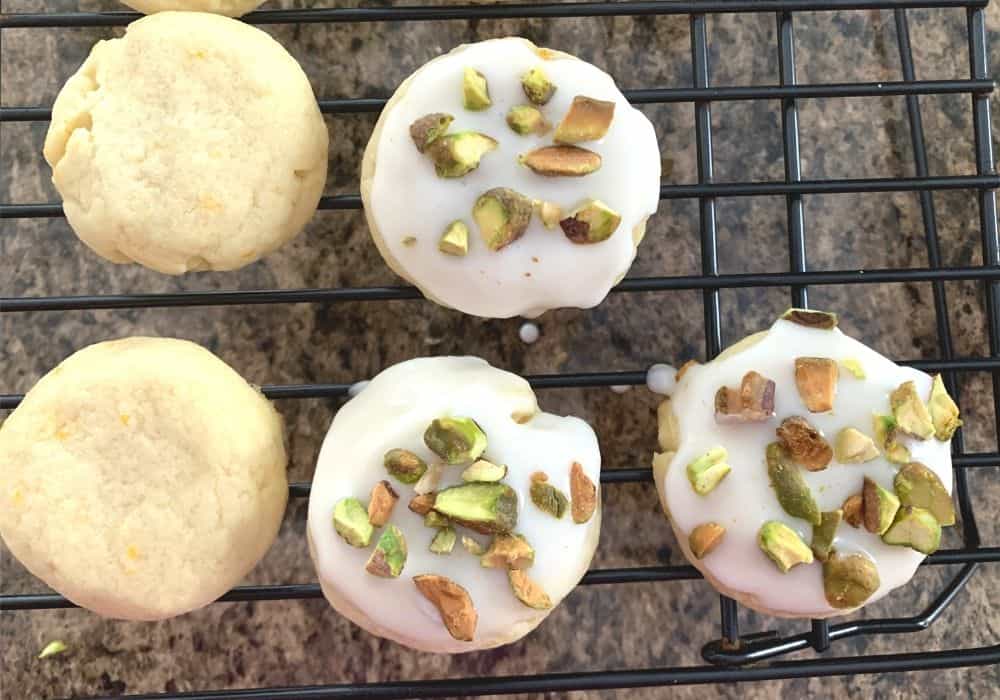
194 142
803 473
504 179
448 513
229 8
142 478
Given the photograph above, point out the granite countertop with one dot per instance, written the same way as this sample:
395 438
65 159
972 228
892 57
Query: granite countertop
598 627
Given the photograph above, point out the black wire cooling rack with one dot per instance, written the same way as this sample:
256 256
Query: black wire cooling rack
729 658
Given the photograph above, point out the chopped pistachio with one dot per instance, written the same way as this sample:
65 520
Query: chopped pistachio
880 506
565 161
429 129
587 120
455 439
707 471
527 591
350 520
380 504
404 466
453 602
591 222
804 443
456 155
849 580
482 470
539 476
854 510
436 520
537 86
455 239
429 482
549 499
444 541
851 446
475 91
389 555
886 437
502 215
916 485
943 410
54 647
854 367
525 119
409 241
488 508
550 213
473 546
916 528
824 534
704 538
508 552
811 319
816 379
912 416
783 545
753 402
791 489
583 493
423 503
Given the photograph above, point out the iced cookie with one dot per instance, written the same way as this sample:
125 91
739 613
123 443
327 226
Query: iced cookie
142 478
230 8
447 512
805 474
193 142
504 179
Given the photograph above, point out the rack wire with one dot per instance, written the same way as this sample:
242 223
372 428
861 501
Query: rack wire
727 659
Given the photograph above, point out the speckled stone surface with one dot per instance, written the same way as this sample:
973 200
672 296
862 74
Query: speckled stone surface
598 627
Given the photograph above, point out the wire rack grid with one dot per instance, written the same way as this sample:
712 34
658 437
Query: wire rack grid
734 656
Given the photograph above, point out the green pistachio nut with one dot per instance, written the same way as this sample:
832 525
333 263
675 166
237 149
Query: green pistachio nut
508 552
473 546
350 520
879 507
791 489
435 520
943 410
502 216
429 129
592 222
475 91
525 119
887 437
704 538
586 120
456 155
916 528
783 545
851 446
811 319
537 86
916 485
849 580
404 466
912 416
825 533
444 541
549 499
389 555
483 470
455 239
707 471
488 508
527 591
854 367
455 439
561 161
549 212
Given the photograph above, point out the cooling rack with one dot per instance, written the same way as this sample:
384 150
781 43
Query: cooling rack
734 656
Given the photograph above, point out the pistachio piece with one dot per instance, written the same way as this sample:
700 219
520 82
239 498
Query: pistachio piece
587 120
592 222
916 528
816 379
783 545
381 503
791 489
475 91
458 154
916 485
753 402
481 470
502 215
455 239
488 508
912 416
409 241
704 538
350 520
555 161
944 411
455 439
549 499
824 534
879 507
854 367
583 493
404 466
707 471
429 129
435 520
886 437
444 541
854 510
453 602
508 552
422 504
804 443
527 591
549 212
849 580
473 546
428 483
851 446
537 86
525 119
56 646
811 319
389 555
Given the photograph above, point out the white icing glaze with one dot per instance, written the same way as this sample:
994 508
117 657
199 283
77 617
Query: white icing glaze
543 269
744 499
393 411
529 333
661 379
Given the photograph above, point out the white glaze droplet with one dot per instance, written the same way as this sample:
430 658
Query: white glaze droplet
661 379
357 388
620 388
529 333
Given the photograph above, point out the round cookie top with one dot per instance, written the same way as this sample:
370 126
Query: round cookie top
394 412
142 478
410 206
229 8
768 512
194 142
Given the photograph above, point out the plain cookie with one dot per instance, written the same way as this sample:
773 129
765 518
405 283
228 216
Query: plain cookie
229 8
